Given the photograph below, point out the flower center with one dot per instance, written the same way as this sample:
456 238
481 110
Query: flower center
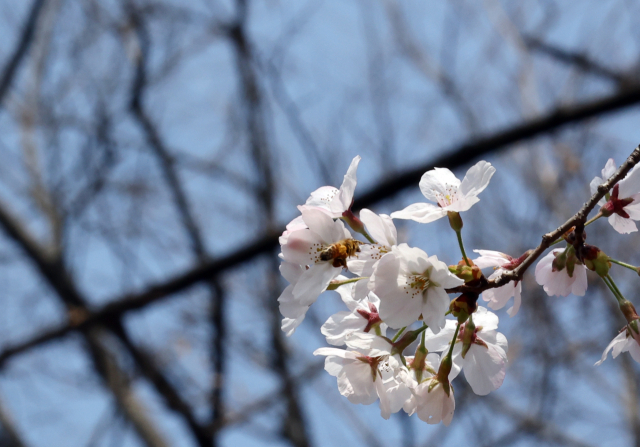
416 284
449 196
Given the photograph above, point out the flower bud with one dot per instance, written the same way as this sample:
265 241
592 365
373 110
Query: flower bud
353 221
419 361
455 220
468 336
596 260
443 373
465 272
463 306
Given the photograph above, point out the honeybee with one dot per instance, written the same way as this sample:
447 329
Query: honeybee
340 251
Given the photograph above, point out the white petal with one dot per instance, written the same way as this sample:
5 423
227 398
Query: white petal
381 228
322 196
610 168
633 209
630 184
434 309
485 368
622 225
420 212
440 342
290 271
579 286
348 187
324 226
621 338
487 319
477 179
340 325
313 282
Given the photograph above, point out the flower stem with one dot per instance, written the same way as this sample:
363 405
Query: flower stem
614 289
369 238
453 341
398 334
464 254
334 285
422 335
624 264
596 217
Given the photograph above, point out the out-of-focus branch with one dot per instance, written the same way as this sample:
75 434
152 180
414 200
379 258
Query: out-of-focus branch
167 165
9 429
458 157
579 60
293 422
53 270
28 32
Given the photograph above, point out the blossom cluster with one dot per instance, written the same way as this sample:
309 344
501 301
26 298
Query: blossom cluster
388 285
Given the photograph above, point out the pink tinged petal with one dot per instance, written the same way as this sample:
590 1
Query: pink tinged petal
433 310
340 325
616 342
621 224
303 247
579 286
420 212
380 228
630 184
313 282
294 225
477 179
347 189
438 181
490 258
485 368
328 230
289 306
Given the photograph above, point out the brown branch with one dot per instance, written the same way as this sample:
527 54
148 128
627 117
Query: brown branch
577 220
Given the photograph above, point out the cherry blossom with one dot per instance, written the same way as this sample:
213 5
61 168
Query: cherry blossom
498 297
429 398
362 316
331 200
292 310
411 283
383 231
560 282
627 340
622 205
305 247
363 376
479 350
450 194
